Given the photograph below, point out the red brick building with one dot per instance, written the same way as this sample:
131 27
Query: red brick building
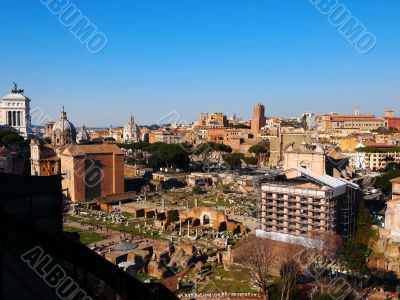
92 171
393 123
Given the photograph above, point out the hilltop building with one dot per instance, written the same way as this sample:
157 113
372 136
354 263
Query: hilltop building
15 112
349 123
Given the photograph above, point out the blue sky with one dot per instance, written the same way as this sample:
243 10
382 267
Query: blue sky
192 56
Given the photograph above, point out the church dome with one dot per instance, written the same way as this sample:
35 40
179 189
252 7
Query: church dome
82 134
64 125
131 131
63 131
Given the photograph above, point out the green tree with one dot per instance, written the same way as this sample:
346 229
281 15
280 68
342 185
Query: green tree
10 138
90 142
168 155
239 126
257 149
154 162
251 160
357 251
206 147
134 146
383 182
234 160
356 254
172 216
152 147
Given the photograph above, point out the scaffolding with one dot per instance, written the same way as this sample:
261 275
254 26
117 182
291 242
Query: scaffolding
347 212
279 213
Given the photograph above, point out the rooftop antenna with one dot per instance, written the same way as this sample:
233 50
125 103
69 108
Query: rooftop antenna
62 122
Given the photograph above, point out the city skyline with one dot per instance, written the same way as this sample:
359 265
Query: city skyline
195 57
40 116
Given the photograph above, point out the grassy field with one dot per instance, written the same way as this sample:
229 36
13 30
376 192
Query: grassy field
145 276
86 237
236 280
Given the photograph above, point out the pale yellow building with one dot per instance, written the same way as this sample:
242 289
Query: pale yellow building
348 144
349 123
309 157
212 120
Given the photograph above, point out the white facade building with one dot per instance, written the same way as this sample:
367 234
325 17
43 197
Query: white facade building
15 112
372 161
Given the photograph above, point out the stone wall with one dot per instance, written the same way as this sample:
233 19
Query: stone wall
386 253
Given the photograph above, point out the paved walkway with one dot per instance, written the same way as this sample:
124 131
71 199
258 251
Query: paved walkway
112 236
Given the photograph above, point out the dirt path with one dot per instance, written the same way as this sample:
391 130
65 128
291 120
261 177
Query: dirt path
171 282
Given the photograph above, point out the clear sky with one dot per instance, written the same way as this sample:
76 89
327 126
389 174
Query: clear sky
192 56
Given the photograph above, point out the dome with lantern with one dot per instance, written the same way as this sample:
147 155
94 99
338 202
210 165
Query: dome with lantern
63 132
131 132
